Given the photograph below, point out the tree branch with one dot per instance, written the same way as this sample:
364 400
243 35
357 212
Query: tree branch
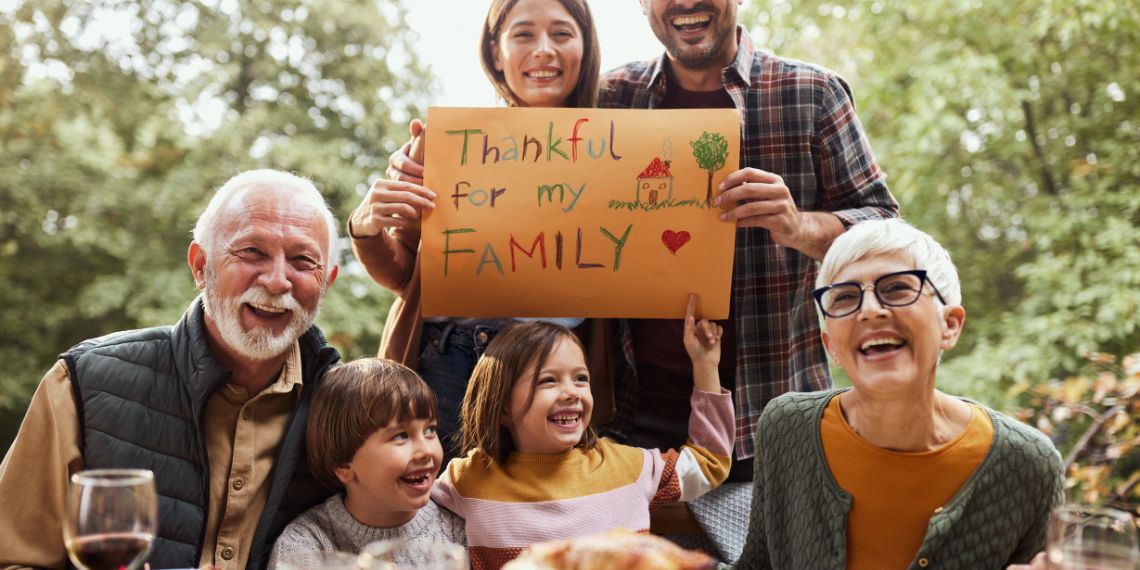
1082 443
1031 129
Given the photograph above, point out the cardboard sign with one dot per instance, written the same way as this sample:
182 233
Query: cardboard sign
577 212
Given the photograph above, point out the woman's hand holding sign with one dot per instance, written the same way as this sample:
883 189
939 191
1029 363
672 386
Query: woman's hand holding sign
401 201
390 204
401 165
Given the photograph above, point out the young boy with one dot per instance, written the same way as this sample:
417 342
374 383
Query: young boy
371 432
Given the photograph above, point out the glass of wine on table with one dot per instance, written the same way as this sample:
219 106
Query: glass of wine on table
112 515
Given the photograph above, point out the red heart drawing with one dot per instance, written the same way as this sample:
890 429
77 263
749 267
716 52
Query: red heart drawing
674 240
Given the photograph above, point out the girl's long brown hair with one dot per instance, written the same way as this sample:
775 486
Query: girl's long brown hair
518 350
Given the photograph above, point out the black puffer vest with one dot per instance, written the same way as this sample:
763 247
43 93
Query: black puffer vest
141 396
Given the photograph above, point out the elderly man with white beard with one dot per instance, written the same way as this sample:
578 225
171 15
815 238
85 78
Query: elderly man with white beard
215 405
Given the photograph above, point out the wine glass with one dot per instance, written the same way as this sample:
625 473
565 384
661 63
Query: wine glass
401 554
1091 538
112 515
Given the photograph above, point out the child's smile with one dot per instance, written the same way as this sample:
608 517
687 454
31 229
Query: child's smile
560 409
420 480
391 475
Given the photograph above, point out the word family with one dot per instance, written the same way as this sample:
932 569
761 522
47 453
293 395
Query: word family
538 247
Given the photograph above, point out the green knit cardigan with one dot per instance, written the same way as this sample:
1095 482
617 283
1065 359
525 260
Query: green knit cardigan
799 512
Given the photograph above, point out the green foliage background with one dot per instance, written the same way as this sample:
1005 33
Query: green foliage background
1010 130
117 121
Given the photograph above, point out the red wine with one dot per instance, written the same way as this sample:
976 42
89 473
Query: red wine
112 551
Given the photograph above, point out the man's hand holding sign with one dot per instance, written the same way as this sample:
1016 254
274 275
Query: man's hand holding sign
576 212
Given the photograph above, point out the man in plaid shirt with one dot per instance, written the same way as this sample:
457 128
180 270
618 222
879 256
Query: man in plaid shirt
806 173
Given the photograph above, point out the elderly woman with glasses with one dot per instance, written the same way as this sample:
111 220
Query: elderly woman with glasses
893 473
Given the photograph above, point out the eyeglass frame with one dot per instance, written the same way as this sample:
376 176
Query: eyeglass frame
923 279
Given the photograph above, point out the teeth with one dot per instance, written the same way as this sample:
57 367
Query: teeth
542 74
566 419
267 308
690 20
881 341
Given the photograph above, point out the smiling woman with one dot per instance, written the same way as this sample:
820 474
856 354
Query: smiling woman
541 53
447 49
921 475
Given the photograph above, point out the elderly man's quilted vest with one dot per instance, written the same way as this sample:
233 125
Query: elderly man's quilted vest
141 396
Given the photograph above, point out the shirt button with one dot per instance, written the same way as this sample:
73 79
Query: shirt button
481 336
923 562
245 414
228 553
239 483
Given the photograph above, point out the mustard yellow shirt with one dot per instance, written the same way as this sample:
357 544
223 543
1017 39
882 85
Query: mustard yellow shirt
242 436
894 494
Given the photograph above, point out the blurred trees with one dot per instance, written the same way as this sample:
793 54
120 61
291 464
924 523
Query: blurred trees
119 118
1095 421
1011 132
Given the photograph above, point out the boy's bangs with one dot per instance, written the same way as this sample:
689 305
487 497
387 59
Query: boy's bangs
409 400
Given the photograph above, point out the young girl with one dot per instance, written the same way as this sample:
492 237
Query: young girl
534 470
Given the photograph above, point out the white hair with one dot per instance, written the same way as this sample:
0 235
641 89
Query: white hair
878 237
206 230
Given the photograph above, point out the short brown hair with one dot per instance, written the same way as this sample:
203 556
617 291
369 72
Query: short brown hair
517 349
585 93
353 401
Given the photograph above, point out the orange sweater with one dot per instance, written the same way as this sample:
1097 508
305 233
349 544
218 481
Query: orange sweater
894 494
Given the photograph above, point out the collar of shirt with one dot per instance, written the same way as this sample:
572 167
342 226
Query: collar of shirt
288 379
735 75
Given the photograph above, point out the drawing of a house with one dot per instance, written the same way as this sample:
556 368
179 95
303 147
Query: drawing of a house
655 183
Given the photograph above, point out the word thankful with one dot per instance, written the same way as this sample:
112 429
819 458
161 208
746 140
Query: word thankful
534 147
537 247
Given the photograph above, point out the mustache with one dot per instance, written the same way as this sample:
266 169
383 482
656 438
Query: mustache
261 296
695 9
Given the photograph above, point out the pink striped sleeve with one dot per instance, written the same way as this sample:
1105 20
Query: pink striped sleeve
712 424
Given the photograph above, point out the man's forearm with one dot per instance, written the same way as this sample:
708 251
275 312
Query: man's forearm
817 231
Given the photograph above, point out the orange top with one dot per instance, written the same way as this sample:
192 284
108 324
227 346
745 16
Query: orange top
894 494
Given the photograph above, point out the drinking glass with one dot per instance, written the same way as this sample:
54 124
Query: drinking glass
404 554
322 560
1091 538
112 515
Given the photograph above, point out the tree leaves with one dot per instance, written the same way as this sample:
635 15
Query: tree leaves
118 119
1010 133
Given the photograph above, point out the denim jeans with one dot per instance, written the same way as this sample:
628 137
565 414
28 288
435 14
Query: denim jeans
448 353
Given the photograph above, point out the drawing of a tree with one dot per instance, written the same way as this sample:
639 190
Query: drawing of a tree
710 151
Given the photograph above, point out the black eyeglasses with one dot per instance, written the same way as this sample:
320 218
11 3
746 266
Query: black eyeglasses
897 289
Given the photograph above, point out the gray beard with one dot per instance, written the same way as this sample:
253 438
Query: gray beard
258 344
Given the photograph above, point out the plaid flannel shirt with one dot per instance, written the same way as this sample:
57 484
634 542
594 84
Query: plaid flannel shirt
797 121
